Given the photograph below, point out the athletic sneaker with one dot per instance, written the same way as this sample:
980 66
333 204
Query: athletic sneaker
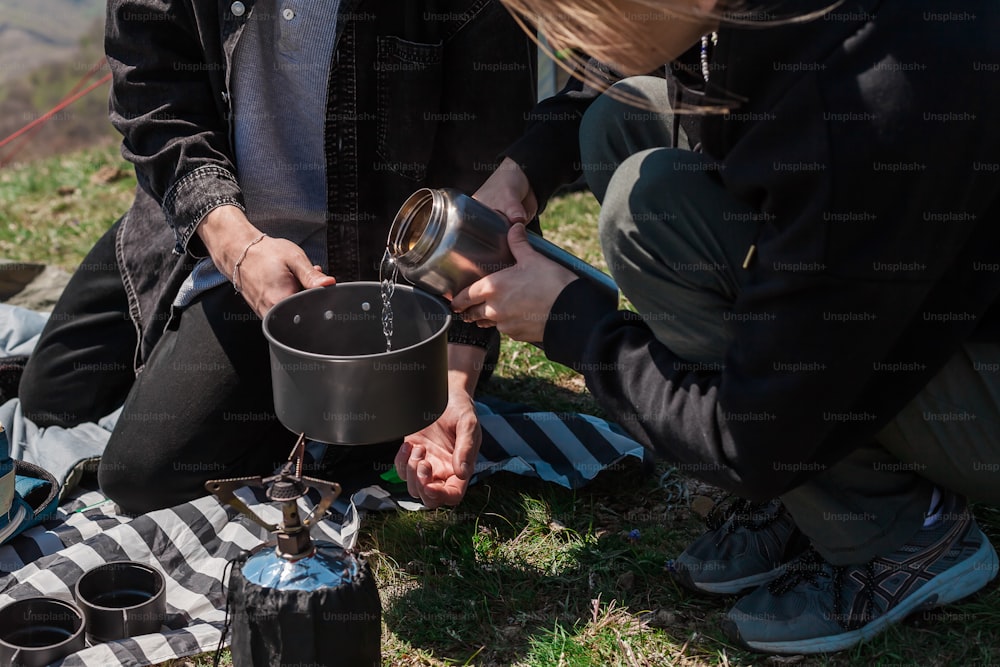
746 545
816 607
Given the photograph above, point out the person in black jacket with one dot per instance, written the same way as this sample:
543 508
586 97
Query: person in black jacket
273 143
815 268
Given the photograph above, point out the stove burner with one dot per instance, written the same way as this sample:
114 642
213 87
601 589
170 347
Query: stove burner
285 487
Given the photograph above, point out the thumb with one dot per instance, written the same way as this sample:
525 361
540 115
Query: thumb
309 275
466 449
515 212
517 239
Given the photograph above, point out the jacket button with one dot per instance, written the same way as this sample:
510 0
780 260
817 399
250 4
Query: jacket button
288 14
238 8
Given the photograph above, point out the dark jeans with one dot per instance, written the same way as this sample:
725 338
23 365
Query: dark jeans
201 407
82 367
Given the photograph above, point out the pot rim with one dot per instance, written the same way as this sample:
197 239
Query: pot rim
335 358
70 605
161 585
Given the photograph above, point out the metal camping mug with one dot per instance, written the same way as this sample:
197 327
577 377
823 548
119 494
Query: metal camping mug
121 599
443 241
37 631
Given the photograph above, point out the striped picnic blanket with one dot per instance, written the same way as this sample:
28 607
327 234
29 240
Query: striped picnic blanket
192 543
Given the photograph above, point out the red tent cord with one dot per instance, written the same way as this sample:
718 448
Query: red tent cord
25 132
56 109
90 72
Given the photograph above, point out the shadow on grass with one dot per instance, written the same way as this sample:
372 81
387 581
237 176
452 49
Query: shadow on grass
511 576
538 394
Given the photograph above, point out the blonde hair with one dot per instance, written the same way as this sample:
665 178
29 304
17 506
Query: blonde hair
629 29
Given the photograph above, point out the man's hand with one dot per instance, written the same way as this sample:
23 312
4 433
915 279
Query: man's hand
271 269
507 190
516 300
438 462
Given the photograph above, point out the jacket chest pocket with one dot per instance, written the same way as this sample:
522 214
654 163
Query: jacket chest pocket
410 79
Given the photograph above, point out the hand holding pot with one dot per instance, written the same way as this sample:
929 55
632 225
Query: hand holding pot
270 269
517 300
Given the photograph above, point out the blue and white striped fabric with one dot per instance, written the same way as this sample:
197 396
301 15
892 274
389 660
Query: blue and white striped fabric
192 543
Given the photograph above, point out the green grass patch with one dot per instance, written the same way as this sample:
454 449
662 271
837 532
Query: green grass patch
52 211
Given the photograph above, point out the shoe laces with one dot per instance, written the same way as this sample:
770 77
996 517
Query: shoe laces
733 513
811 567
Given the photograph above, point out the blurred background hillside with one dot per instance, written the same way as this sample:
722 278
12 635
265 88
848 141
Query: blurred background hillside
46 48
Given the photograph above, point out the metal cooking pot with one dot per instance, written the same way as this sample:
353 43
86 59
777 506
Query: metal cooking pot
121 599
332 377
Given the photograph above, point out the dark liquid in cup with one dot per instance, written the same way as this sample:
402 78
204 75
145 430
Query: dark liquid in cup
120 599
39 635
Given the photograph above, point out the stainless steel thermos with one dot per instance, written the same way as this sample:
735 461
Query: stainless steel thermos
443 241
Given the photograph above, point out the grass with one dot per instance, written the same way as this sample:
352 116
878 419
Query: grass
522 573
53 210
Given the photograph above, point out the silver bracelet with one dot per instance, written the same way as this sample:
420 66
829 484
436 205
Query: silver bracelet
236 266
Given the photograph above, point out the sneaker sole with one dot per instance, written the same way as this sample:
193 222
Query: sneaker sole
953 584
733 587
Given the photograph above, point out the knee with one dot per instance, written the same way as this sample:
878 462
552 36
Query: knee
131 488
598 154
649 200
608 126
40 403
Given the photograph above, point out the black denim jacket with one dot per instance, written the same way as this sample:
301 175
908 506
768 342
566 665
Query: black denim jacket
421 94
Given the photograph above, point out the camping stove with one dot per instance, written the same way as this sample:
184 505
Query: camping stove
295 600
286 486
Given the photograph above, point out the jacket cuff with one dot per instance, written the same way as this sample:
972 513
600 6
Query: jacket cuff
573 318
192 197
549 155
467 333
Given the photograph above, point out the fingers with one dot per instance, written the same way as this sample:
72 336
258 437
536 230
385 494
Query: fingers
309 275
415 467
476 293
449 492
515 212
278 270
479 313
508 191
402 456
420 482
425 491
413 470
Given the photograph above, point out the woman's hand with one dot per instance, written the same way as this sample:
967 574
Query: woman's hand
271 269
507 190
516 300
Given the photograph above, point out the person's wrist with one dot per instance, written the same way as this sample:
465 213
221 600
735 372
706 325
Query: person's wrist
226 233
465 364
235 279
516 180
